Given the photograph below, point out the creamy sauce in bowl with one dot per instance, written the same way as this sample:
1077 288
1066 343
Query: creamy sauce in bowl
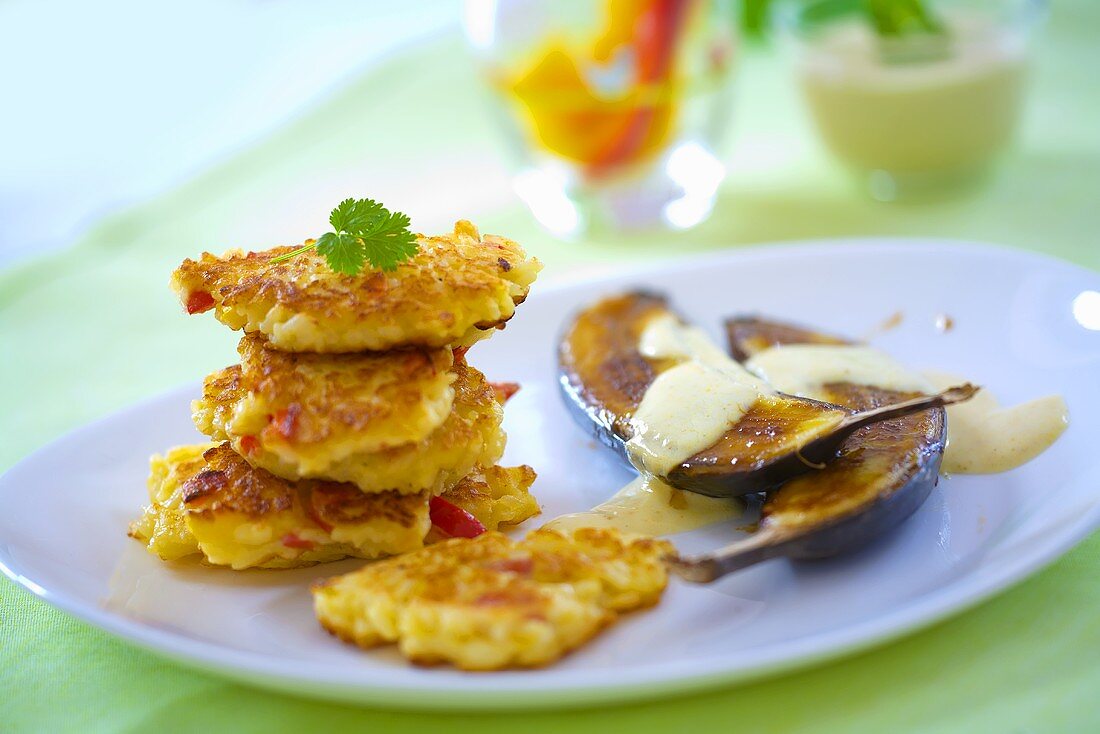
946 114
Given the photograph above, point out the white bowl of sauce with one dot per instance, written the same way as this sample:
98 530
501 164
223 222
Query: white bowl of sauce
917 126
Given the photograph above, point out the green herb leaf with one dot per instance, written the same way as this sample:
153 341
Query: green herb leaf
356 215
391 242
365 232
343 252
902 17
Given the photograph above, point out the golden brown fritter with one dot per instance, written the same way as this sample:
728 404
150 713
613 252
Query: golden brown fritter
470 436
312 410
206 500
490 602
454 292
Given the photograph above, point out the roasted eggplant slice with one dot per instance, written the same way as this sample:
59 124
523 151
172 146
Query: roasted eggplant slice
884 472
602 374
604 377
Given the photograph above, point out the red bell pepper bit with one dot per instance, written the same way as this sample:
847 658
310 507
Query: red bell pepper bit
249 445
333 501
292 540
523 565
285 421
315 516
452 520
199 301
504 390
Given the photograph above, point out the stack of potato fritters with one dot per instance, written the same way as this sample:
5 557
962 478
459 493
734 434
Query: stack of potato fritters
353 425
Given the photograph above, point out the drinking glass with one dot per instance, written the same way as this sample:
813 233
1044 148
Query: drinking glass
613 112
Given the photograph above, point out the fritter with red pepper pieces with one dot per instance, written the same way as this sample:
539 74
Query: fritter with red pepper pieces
205 500
323 439
455 291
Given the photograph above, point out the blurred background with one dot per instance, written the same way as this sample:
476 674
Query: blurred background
110 103
751 124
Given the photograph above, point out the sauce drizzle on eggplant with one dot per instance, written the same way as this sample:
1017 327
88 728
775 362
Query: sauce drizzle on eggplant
984 437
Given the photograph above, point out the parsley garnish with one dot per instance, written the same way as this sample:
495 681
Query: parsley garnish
890 18
902 17
365 232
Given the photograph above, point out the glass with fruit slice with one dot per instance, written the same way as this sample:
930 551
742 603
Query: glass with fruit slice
614 111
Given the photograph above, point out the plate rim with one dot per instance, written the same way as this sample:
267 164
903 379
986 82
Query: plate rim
587 688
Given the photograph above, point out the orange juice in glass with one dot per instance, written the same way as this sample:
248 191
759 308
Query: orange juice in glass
615 110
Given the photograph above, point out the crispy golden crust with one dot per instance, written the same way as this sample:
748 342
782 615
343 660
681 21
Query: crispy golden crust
162 526
455 291
469 437
312 410
490 602
498 496
206 500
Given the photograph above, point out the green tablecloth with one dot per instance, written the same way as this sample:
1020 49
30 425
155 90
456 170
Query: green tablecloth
89 330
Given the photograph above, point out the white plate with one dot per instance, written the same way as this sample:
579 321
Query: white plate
64 510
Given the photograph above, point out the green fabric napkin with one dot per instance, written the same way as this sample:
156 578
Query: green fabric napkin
86 331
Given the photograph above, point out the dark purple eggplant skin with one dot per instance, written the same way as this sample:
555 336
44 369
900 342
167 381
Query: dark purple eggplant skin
883 474
826 539
814 461
592 421
604 379
918 442
597 409
877 519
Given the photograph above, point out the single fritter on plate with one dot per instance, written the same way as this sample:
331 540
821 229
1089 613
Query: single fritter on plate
453 292
469 436
313 410
489 602
206 500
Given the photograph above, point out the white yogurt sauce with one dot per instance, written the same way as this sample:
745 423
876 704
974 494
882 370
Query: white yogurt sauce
690 405
946 114
685 410
648 506
985 438
982 436
802 369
